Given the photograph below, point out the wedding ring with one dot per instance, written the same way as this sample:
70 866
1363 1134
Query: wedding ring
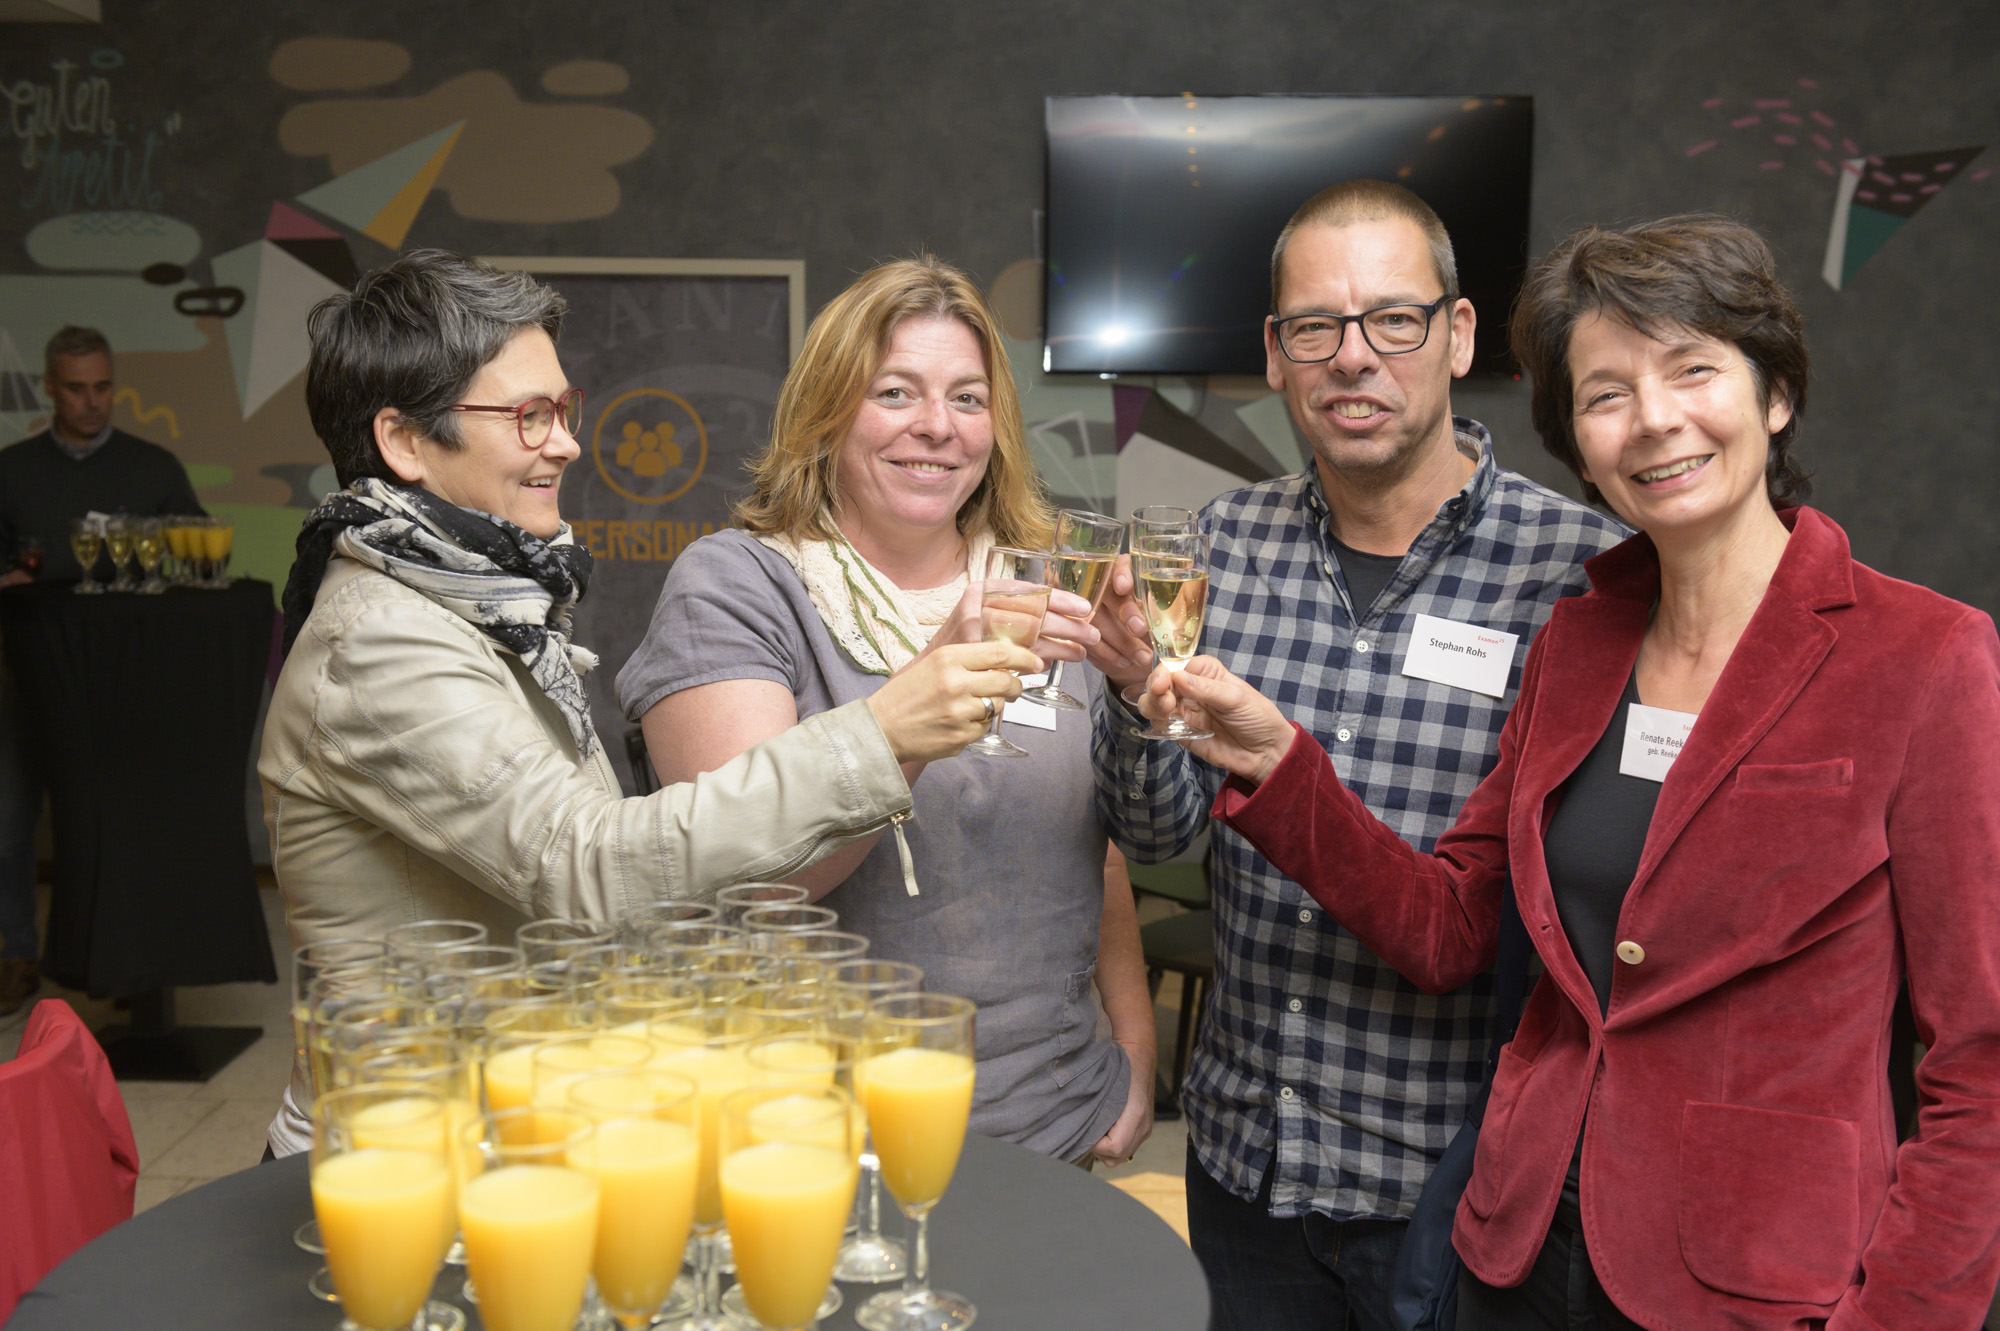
990 710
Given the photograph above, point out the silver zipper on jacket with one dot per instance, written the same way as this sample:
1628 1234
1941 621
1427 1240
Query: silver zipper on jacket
894 821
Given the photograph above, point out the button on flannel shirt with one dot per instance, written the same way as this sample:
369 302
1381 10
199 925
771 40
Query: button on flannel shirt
1313 1049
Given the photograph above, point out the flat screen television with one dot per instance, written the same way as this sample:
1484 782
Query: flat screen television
1162 212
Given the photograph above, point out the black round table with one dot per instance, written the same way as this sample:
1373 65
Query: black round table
141 713
1036 1244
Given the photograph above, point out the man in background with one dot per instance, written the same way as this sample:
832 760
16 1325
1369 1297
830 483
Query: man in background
1326 1085
79 464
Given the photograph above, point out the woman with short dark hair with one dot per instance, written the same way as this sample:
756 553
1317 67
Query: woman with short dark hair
1748 789
428 751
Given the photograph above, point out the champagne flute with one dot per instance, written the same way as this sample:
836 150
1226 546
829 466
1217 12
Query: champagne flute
86 542
787 1177
763 926
1013 599
530 1218
735 902
698 1046
420 940
1170 573
216 539
916 1078
640 923
118 543
868 1258
381 1188
309 962
1161 520
1086 550
149 545
645 1156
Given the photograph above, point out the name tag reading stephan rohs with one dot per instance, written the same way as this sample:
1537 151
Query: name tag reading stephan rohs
1464 656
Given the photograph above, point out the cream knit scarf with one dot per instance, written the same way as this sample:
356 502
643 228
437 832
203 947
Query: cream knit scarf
881 627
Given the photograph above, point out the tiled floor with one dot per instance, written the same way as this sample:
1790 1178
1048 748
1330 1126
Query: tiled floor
189 1133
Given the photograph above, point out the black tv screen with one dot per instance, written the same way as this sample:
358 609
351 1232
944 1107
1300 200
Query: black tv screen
1162 212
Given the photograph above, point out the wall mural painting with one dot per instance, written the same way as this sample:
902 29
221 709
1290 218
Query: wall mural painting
1874 194
210 331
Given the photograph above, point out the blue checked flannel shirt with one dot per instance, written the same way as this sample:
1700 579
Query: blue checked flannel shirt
1312 1048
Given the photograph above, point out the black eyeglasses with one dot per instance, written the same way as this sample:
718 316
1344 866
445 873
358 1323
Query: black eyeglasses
535 419
1389 330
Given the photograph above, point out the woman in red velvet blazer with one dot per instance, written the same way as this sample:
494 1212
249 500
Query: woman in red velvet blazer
1829 831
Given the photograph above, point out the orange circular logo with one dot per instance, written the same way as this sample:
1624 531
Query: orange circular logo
658 445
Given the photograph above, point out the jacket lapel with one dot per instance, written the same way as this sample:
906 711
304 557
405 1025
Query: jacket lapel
1780 649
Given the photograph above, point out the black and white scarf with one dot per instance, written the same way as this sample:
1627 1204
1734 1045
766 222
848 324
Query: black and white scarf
516 588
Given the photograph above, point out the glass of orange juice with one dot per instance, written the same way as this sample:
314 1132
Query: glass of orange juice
645 1155
217 537
555 1064
381 1188
867 1257
787 1178
698 1045
915 1076
530 1219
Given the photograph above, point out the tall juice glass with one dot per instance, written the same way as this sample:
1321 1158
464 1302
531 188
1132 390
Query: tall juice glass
309 962
644 1155
1013 599
868 1258
787 1179
381 1188
700 1047
530 1221
556 1064
915 1076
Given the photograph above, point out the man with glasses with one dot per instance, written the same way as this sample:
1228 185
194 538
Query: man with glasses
1384 598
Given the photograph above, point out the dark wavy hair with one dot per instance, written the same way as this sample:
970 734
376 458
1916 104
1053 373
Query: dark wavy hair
1710 275
412 335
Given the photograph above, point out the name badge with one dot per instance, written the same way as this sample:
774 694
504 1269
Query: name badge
1653 739
1464 656
1022 712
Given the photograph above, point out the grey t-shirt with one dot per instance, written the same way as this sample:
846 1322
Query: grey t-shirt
1009 854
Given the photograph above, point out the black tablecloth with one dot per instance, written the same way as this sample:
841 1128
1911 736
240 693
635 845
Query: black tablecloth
142 710
1034 1243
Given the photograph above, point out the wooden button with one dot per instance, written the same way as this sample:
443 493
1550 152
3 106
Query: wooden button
1631 953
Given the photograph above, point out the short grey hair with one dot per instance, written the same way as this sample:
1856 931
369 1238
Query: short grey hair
1369 201
412 336
72 340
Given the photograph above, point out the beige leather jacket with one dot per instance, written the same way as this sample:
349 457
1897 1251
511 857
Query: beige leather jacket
413 771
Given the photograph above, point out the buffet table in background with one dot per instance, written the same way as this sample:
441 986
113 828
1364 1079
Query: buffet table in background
142 711
1036 1244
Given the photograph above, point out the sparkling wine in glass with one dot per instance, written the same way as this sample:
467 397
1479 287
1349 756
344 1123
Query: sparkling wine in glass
1013 599
86 543
118 543
1086 550
1170 574
149 546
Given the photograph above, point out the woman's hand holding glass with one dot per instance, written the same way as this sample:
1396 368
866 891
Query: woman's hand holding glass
937 704
1248 736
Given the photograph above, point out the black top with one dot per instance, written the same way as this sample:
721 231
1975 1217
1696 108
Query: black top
43 489
1593 846
1366 574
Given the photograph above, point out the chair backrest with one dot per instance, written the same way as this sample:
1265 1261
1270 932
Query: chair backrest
68 1164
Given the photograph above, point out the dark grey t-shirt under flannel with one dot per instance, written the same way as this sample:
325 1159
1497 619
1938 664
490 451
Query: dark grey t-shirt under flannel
1317 1059
1009 853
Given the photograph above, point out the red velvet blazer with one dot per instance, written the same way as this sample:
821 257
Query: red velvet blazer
1832 824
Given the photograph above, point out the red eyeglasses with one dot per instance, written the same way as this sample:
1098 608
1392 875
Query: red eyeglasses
535 419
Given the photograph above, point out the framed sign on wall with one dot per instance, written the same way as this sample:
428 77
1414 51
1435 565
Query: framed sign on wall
680 361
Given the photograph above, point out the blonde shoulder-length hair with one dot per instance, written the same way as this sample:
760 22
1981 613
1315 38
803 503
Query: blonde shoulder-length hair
796 476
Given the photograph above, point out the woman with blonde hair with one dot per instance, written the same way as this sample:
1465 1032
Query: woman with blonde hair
897 460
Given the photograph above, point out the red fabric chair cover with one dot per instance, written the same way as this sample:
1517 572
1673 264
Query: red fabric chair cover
68 1163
